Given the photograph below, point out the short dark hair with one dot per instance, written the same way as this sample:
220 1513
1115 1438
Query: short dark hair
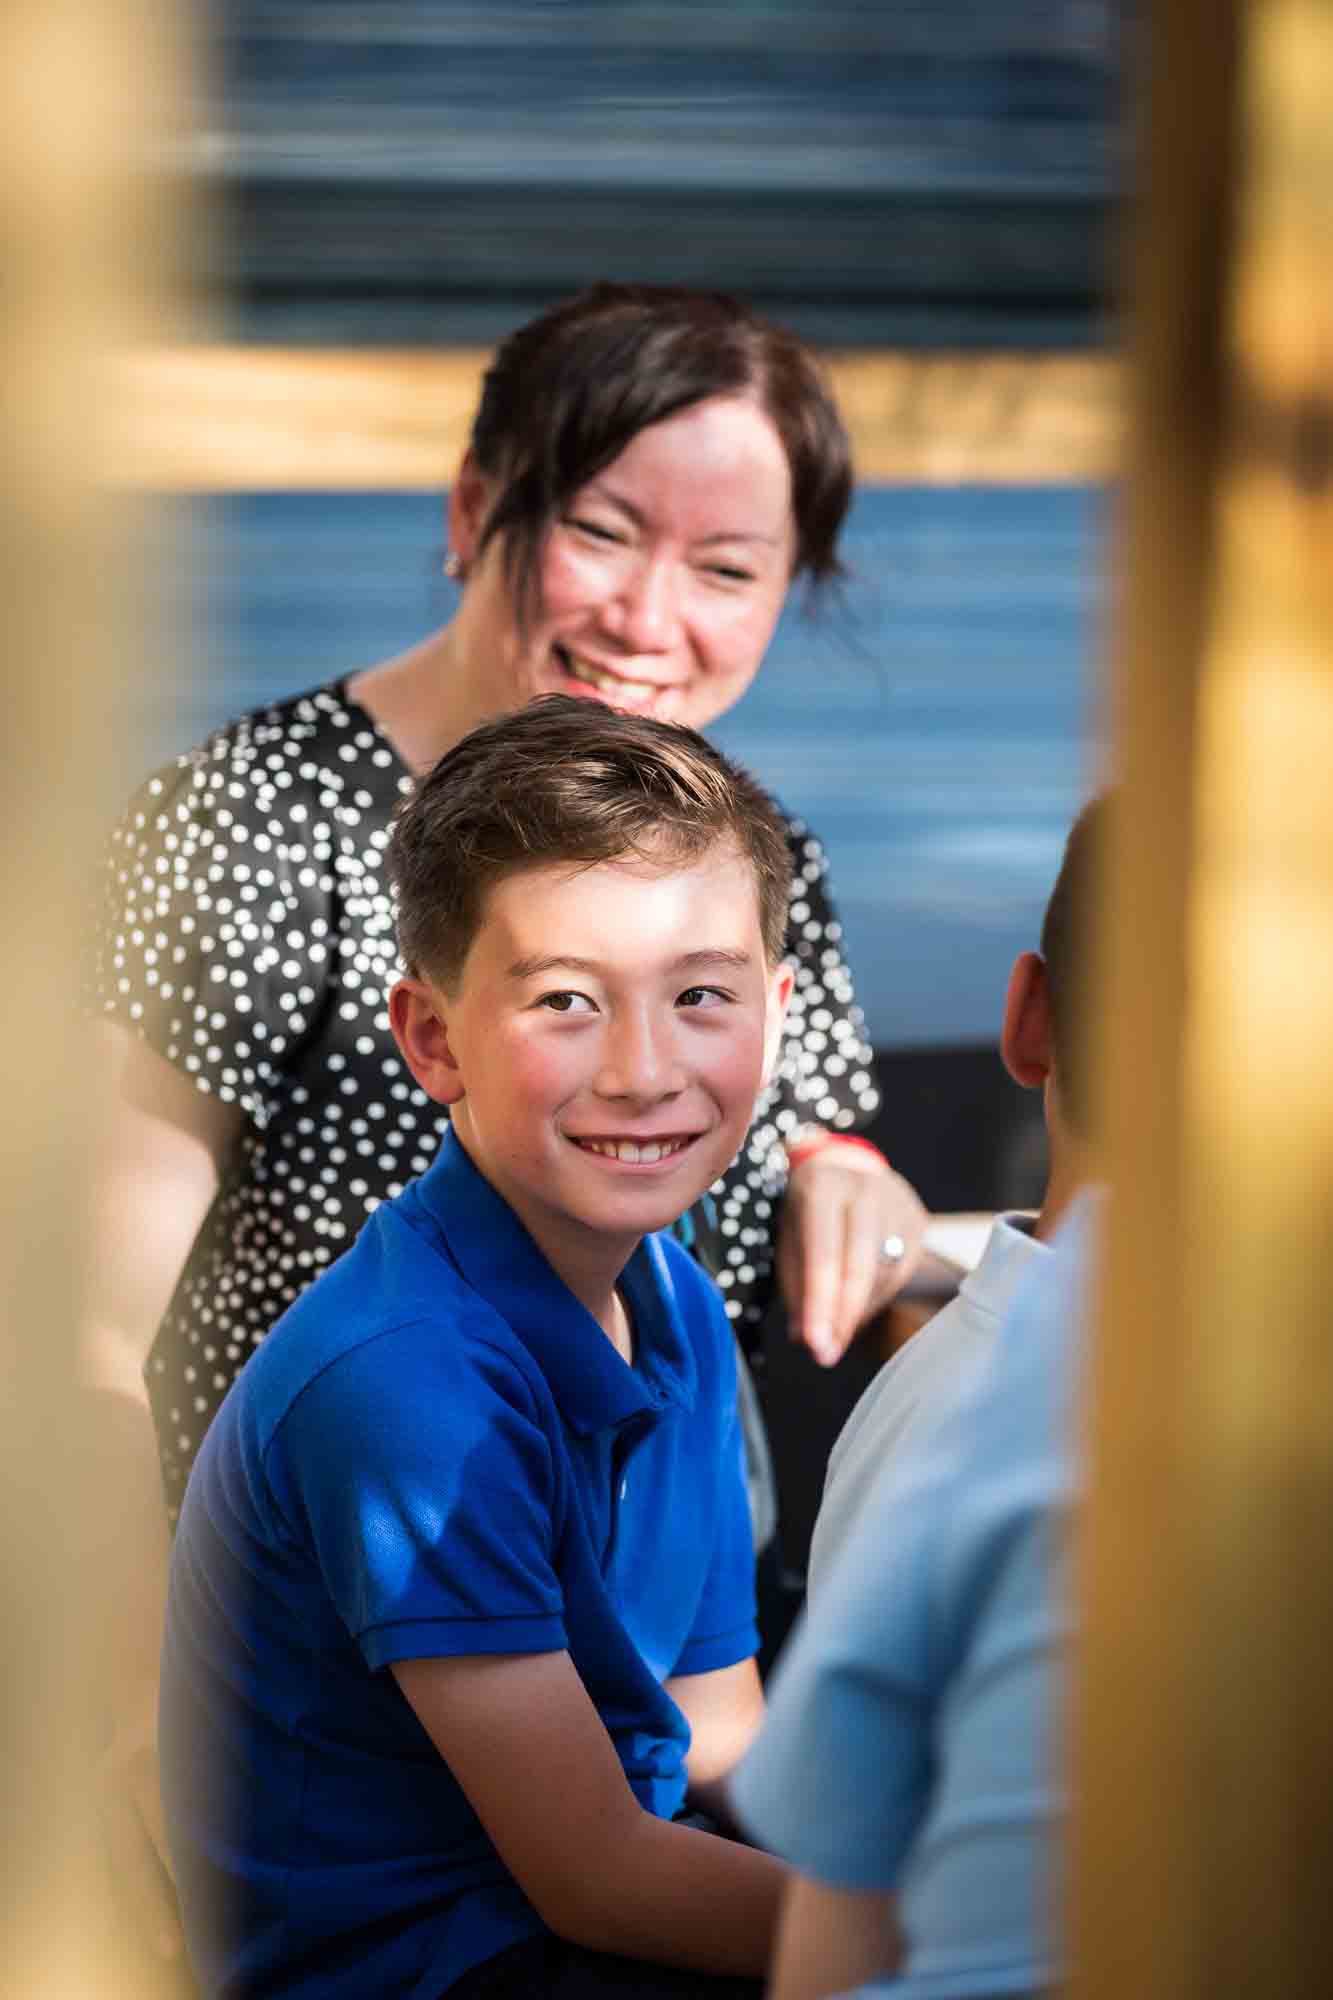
564 780
1066 937
566 393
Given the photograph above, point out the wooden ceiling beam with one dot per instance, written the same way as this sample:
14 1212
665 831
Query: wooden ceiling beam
218 418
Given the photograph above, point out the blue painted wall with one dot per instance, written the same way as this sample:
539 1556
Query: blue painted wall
935 727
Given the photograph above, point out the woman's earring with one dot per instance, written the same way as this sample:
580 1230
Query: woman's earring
453 566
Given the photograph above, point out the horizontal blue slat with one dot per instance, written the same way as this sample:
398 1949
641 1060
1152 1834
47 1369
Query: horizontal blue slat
935 726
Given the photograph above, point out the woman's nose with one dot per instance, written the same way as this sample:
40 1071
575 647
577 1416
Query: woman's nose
642 612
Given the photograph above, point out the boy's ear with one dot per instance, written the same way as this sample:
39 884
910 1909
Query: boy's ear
469 504
780 983
1026 1038
422 1034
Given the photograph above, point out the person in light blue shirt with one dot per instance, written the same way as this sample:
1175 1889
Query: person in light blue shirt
909 1767
928 1377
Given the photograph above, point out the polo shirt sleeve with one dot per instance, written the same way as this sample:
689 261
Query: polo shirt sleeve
838 1780
725 1629
420 1468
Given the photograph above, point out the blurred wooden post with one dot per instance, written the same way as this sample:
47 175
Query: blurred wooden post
85 87
1203 1724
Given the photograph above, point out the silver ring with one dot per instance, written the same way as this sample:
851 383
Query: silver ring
893 1249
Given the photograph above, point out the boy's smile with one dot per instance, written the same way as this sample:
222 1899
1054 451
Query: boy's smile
634 1152
603 1047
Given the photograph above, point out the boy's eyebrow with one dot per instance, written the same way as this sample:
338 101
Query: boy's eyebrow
528 968
628 508
689 961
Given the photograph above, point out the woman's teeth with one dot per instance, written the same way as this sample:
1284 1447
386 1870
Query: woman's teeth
591 676
637 1153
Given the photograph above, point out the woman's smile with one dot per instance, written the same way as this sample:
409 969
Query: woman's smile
583 676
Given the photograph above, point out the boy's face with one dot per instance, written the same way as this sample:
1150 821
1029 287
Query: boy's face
605 1042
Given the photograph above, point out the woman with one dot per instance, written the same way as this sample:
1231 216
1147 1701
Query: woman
649 470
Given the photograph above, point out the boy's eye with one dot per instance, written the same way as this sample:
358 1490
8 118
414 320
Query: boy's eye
566 1003
703 996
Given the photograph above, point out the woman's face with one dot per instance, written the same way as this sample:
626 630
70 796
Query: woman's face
661 581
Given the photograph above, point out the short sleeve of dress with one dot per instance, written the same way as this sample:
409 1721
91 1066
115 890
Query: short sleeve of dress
825 1075
826 1068
427 1484
212 929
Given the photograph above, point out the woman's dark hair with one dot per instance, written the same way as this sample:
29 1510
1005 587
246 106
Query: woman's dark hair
566 394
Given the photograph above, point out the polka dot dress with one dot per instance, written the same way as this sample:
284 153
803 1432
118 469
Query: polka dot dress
248 937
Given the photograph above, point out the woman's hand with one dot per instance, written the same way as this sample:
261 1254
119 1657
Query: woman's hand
844 1203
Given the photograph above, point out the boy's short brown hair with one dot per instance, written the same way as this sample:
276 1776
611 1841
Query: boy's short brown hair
564 780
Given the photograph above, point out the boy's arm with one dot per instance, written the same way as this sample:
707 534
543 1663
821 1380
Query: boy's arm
832 1940
724 1709
523 1739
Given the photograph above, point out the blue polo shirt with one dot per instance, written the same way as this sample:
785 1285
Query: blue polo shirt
437 1451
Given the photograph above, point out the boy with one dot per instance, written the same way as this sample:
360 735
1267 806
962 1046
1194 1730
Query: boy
929 1376
462 1591
909 1768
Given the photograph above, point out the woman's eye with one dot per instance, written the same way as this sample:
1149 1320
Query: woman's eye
728 573
703 996
598 531
566 1003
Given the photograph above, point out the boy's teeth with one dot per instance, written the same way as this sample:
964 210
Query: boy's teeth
634 1152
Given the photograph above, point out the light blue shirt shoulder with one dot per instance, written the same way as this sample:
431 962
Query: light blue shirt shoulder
922 1383
909 1741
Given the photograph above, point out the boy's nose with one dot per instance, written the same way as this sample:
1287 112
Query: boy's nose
640 1060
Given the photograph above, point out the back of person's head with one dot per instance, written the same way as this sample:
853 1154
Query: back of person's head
1066 947
572 782
566 393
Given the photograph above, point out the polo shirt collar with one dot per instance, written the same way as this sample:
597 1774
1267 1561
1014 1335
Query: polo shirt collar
1010 1253
593 1385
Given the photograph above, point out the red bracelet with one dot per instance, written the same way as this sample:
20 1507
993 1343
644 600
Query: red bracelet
806 1148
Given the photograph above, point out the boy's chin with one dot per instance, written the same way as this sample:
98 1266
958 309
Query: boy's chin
683 1198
